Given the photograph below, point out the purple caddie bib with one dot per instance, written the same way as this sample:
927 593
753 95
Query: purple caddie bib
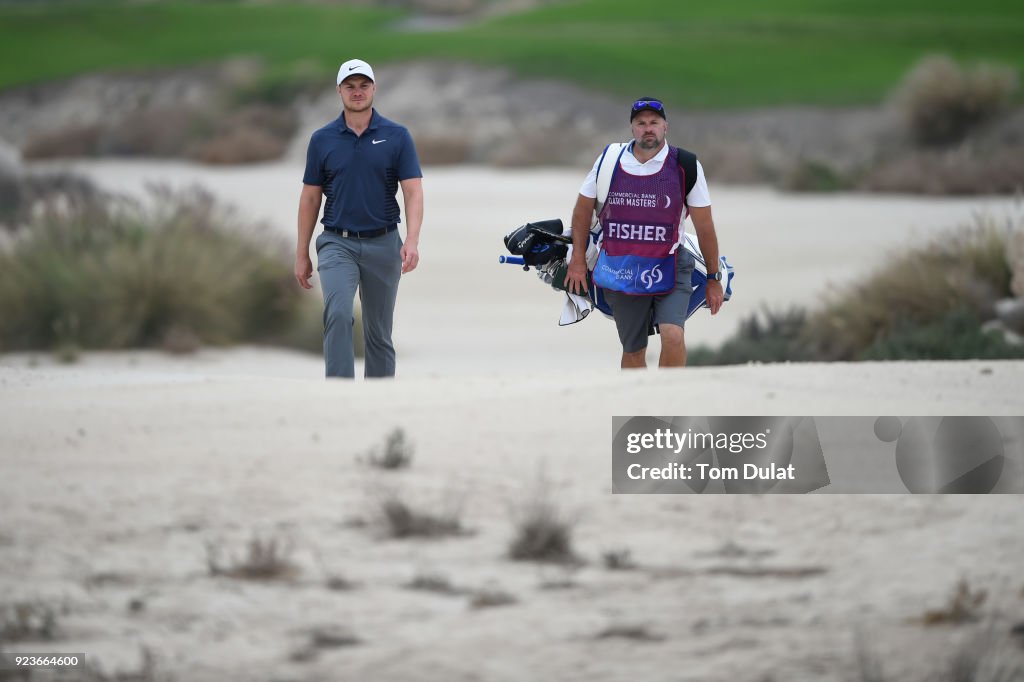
640 226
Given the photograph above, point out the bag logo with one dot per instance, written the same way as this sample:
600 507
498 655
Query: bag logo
651 277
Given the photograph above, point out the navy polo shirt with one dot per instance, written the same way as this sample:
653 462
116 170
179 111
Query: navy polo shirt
359 174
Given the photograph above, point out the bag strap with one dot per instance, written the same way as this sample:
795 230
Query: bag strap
688 162
606 169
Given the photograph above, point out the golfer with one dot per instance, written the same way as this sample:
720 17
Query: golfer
357 162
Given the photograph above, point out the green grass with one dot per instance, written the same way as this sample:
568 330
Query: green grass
728 54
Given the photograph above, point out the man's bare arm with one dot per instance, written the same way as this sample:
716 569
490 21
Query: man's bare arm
309 211
412 191
704 225
582 217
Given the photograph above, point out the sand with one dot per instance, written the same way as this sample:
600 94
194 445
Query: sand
119 471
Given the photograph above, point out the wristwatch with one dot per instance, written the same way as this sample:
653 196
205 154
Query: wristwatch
717 276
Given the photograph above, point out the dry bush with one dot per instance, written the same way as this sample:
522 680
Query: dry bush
812 175
23 194
491 597
340 583
28 621
240 145
323 637
618 560
278 122
443 150
246 134
433 582
637 633
964 606
157 132
281 85
265 558
967 169
115 274
395 453
332 637
69 142
403 521
542 531
966 271
1015 256
942 101
765 336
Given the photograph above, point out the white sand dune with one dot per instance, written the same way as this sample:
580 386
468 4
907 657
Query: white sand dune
117 471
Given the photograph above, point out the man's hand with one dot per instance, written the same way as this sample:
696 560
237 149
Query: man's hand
714 295
576 275
410 256
303 270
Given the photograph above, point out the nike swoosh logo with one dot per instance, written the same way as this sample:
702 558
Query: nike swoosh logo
352 68
379 141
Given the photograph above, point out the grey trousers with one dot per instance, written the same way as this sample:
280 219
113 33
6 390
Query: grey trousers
374 267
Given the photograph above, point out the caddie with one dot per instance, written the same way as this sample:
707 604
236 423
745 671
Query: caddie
642 268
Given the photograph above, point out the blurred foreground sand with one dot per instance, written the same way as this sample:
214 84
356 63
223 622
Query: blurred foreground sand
117 471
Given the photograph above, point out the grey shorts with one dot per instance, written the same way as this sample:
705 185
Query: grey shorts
632 314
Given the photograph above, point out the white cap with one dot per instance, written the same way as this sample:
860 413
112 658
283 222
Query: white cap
355 67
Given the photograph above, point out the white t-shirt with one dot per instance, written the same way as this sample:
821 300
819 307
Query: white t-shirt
697 198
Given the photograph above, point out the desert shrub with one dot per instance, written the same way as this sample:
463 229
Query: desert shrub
283 85
964 170
618 560
156 132
117 275
542 531
768 336
242 145
920 287
957 336
636 633
942 100
808 175
1015 256
433 582
402 520
928 302
491 597
395 453
28 620
443 150
79 140
217 135
246 135
22 193
963 606
266 557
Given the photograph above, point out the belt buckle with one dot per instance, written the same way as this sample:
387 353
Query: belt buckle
344 233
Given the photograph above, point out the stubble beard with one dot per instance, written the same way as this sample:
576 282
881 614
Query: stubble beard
645 143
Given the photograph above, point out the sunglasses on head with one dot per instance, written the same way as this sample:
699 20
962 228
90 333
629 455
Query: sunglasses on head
648 104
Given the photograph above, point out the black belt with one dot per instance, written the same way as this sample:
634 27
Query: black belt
362 234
